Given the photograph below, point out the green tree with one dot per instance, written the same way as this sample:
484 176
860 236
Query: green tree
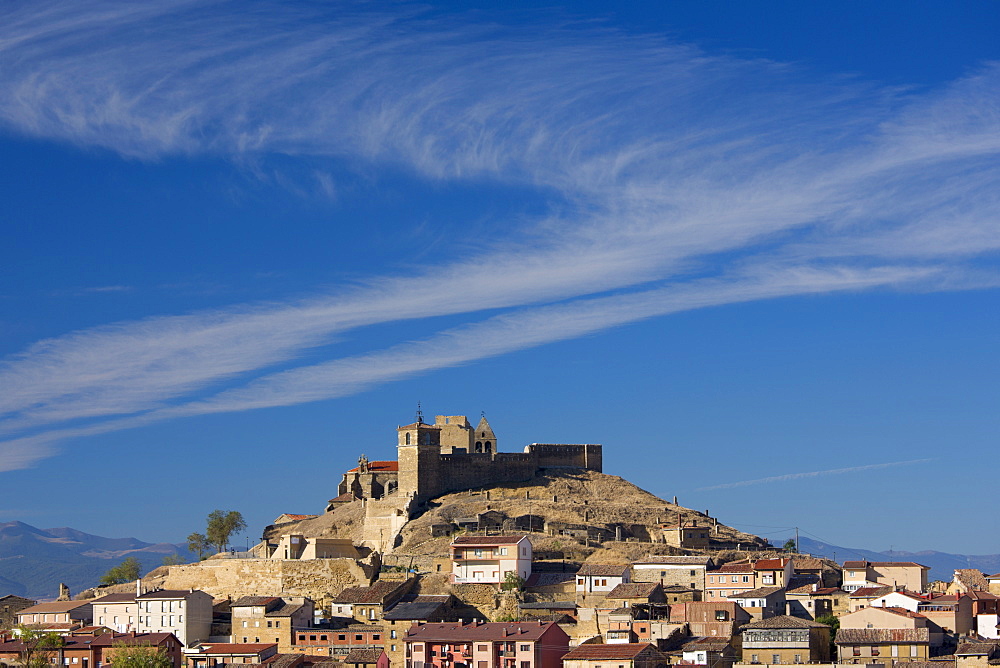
38 647
173 560
198 544
222 525
126 571
790 545
139 656
511 580
834 623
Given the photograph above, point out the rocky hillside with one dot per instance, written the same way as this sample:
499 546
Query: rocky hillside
609 517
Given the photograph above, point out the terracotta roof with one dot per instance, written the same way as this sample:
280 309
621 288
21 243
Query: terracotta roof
457 631
114 598
362 656
871 592
234 648
407 610
633 590
548 579
977 649
608 570
245 601
376 593
770 564
707 644
759 592
972 578
902 612
611 652
874 636
735 567
346 497
995 576
54 606
111 639
487 540
379 467
785 622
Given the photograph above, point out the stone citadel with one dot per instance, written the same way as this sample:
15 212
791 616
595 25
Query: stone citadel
450 456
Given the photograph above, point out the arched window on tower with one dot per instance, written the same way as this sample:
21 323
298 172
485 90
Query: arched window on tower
479 446
427 438
487 446
407 438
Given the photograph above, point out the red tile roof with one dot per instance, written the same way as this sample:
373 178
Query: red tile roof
611 652
421 425
633 590
864 564
734 567
607 570
379 467
871 592
770 564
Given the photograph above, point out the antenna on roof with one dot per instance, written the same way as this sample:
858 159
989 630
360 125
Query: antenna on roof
420 414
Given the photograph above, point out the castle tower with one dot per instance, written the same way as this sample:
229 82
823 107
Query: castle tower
419 451
484 439
456 433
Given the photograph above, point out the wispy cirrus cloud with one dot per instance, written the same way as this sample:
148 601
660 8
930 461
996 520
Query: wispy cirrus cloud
814 474
683 180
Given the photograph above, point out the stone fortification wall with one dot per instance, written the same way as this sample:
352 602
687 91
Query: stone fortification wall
560 455
319 579
469 471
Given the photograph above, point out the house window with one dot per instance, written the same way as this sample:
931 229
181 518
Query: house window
875 651
692 573
302 636
913 651
358 636
482 648
392 634
579 582
775 658
857 651
312 637
376 636
746 578
502 551
754 658
525 648
342 636
722 615
525 664
736 578
798 658
269 624
322 637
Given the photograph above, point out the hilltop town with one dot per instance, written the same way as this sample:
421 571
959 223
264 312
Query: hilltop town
460 555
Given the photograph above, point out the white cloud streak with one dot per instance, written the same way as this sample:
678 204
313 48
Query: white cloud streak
813 474
728 180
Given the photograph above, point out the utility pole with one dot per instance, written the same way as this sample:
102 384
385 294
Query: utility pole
797 541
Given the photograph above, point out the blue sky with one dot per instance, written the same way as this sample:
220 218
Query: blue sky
749 247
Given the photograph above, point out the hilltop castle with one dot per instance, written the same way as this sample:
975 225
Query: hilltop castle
449 456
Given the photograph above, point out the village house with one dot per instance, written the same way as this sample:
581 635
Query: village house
298 546
116 611
902 574
883 645
977 655
965 580
951 612
627 595
762 602
368 604
187 613
683 571
366 658
643 622
632 655
785 639
486 645
715 619
907 600
10 605
772 572
892 618
601 578
729 579
90 651
57 616
708 652
863 596
206 655
687 535
338 642
257 619
810 601
408 612
488 559
994 583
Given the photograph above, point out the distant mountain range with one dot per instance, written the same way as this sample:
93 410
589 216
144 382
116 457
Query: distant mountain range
942 564
34 561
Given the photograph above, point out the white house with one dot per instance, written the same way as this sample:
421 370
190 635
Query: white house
898 599
185 613
488 559
116 611
601 577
